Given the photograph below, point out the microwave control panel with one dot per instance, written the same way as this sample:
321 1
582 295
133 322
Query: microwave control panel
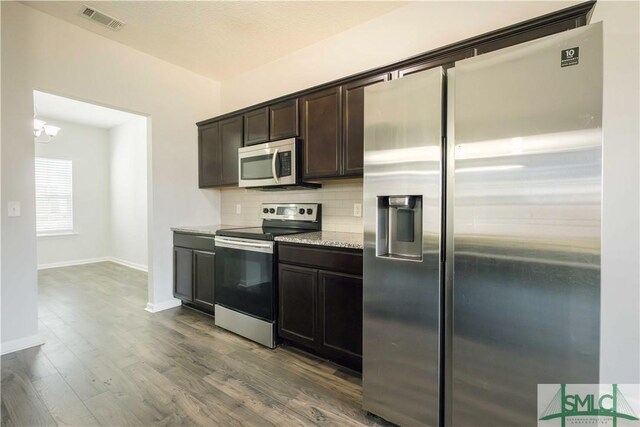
284 159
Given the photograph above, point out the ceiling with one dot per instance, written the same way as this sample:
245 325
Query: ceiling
220 38
69 110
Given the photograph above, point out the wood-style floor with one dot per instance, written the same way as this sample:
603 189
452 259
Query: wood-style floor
106 361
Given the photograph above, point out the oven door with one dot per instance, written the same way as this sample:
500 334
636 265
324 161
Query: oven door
244 277
265 165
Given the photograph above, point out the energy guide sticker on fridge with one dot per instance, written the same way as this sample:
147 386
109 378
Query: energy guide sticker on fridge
569 57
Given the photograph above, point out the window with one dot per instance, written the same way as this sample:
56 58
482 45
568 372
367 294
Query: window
54 199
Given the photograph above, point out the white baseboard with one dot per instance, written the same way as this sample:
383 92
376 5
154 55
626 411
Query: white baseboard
165 305
91 261
74 262
129 264
20 344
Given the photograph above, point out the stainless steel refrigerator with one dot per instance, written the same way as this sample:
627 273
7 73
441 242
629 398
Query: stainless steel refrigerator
482 223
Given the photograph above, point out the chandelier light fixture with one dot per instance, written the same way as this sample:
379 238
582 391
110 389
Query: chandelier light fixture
44 132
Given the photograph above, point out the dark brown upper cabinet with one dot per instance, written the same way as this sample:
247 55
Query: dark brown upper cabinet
283 120
329 117
526 36
446 61
256 126
322 133
208 155
353 124
218 145
230 141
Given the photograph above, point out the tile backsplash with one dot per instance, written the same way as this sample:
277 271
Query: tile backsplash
337 205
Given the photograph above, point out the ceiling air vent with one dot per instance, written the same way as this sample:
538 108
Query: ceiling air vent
101 18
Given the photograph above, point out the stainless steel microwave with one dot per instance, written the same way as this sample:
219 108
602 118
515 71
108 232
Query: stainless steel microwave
272 165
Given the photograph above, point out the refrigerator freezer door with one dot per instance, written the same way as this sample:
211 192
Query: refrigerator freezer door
402 183
527 223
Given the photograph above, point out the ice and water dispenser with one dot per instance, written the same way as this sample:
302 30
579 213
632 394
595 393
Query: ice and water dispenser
399 233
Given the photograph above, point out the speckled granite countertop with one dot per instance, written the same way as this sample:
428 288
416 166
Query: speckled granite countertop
204 229
333 239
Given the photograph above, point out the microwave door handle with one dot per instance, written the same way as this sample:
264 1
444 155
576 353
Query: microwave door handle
273 166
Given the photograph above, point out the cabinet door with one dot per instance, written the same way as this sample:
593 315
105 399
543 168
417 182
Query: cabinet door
183 273
298 304
256 126
322 133
230 141
283 120
353 122
340 309
204 278
208 155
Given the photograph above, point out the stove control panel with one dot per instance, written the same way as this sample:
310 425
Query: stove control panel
290 211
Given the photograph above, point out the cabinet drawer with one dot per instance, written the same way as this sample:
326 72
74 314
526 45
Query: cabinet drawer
192 241
339 260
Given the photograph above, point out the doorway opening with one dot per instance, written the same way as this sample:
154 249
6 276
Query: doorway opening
91 188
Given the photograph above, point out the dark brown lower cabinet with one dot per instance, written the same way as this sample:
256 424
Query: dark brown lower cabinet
298 304
204 265
321 310
340 310
194 270
183 273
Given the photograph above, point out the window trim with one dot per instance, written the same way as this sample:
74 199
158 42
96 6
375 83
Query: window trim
61 234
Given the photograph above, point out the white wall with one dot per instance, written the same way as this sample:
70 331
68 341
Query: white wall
620 327
128 177
337 201
404 32
44 53
88 148
423 26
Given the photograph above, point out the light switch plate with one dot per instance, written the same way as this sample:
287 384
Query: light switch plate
13 208
357 209
238 208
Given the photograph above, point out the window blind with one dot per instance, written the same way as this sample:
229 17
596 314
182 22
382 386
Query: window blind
54 198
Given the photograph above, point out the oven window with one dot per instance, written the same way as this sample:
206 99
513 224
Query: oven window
244 282
258 167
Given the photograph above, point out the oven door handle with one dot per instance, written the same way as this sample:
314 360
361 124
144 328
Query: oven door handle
273 166
242 245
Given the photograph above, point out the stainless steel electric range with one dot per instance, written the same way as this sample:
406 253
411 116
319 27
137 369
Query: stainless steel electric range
246 277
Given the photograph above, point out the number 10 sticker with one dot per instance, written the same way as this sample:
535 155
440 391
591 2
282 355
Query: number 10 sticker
569 57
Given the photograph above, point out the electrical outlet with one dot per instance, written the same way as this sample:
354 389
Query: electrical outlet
238 208
357 209
13 209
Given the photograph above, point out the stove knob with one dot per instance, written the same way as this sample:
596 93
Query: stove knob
272 210
301 211
265 210
309 211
